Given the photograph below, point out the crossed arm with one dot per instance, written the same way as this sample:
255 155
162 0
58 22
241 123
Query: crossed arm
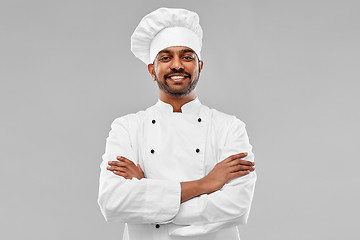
220 199
224 171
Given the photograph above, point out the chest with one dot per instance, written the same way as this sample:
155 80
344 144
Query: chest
177 146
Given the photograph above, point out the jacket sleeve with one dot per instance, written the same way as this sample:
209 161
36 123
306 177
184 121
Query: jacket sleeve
229 206
133 201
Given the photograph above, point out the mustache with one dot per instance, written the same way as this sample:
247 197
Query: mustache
174 71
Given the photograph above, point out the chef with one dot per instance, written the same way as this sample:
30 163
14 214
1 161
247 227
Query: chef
179 169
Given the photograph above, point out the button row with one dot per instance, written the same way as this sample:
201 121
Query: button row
154 121
153 151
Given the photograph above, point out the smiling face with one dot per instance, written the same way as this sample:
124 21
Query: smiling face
176 70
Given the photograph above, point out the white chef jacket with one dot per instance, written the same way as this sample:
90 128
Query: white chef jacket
173 147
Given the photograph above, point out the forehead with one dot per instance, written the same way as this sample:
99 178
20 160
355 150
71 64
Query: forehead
176 50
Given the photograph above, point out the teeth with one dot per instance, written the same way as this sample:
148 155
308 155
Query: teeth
177 77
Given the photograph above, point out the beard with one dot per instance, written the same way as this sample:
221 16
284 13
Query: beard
174 92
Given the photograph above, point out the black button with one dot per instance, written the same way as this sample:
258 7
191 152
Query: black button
157 225
152 151
199 120
197 150
153 121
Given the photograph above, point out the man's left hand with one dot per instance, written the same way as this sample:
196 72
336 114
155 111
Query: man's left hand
125 168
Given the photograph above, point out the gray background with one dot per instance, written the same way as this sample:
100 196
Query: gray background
289 69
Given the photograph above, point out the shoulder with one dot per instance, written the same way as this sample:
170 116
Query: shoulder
230 130
133 120
224 119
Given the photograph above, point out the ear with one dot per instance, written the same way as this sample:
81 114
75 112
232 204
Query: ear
151 70
201 64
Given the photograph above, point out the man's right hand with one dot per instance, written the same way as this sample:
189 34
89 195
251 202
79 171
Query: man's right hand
226 170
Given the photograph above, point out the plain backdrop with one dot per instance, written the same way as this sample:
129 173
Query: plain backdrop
289 69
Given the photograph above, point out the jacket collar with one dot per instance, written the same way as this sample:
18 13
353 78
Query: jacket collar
192 107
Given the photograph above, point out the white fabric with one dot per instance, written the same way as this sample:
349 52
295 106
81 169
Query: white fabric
156 22
174 36
174 137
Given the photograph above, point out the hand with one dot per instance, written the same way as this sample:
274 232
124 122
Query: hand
226 170
125 168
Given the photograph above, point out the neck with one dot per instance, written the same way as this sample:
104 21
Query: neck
176 101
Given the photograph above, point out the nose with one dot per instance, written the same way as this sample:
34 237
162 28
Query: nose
176 64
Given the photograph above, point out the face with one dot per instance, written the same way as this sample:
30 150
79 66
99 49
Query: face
176 70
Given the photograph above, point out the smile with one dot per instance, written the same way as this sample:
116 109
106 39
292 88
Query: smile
177 77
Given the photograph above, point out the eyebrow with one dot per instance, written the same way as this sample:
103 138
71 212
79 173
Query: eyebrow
187 51
182 51
164 51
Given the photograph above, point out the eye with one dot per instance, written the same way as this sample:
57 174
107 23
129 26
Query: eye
189 58
164 58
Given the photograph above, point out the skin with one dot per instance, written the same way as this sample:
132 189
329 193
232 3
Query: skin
177 61
183 61
224 171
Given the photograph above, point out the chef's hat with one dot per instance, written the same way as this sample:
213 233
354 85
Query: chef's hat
166 27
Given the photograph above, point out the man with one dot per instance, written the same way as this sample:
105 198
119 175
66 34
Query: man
178 170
